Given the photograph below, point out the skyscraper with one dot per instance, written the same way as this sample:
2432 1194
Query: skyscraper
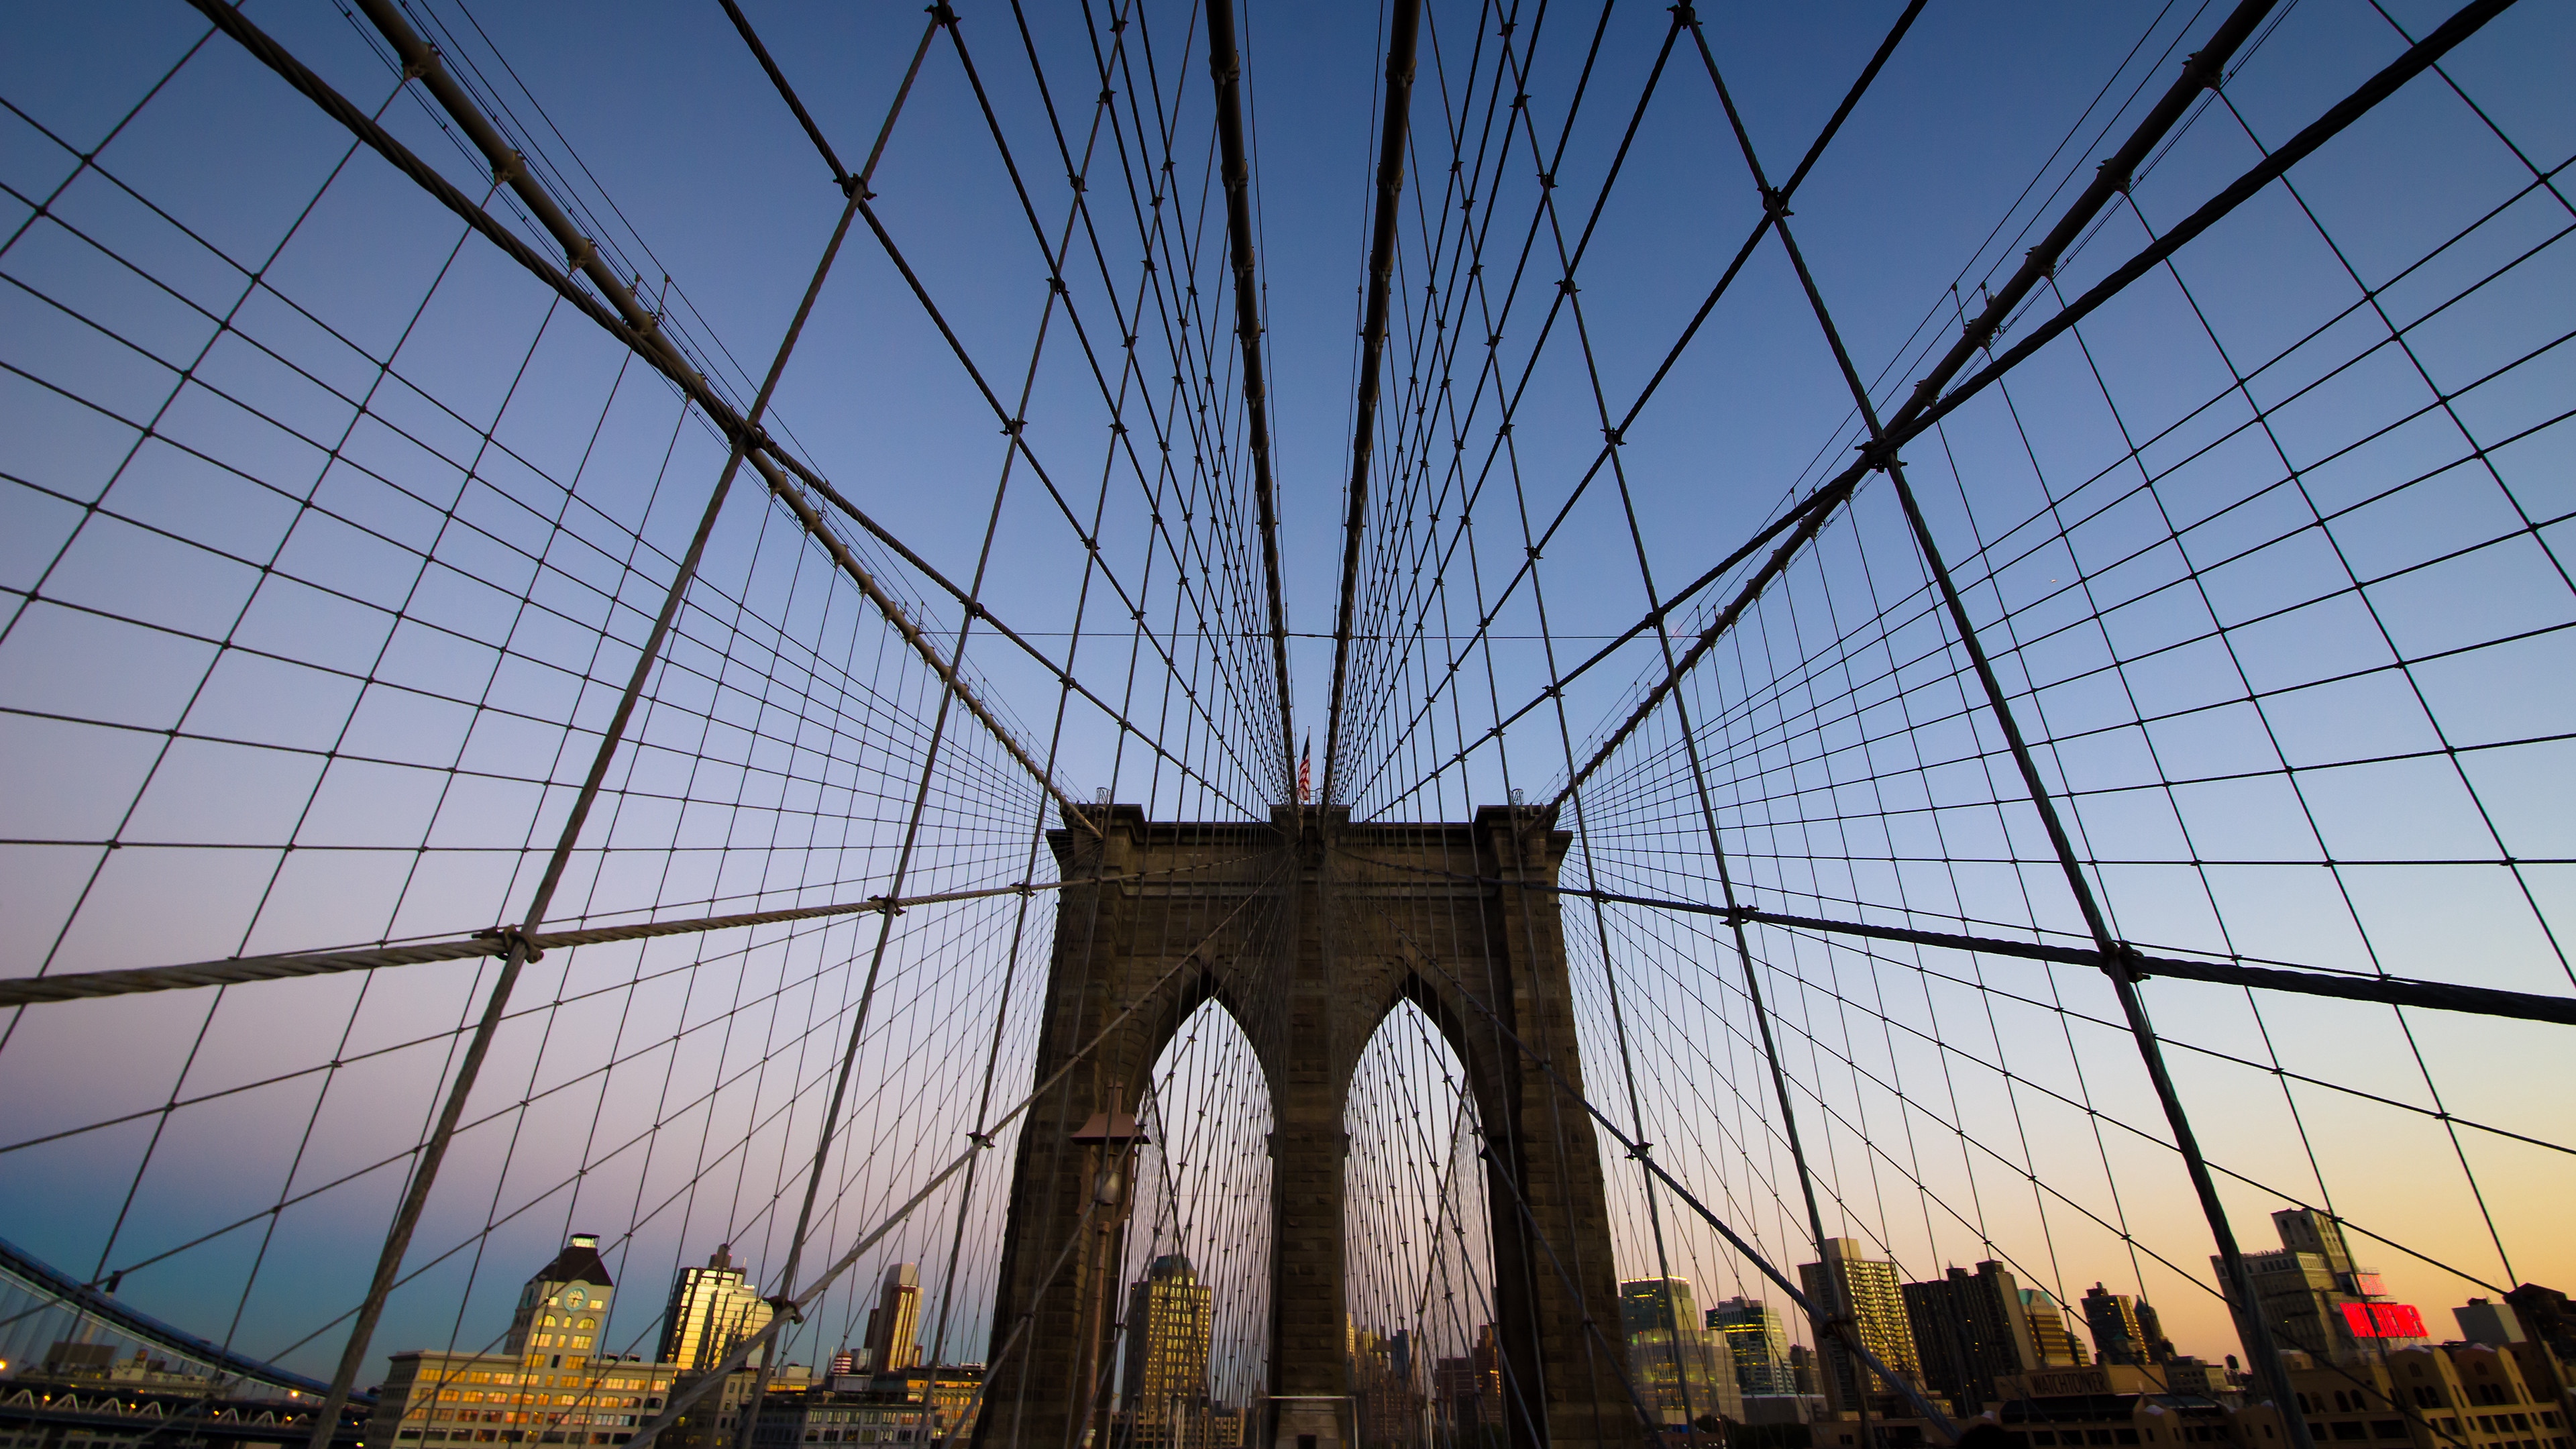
1970 1327
1759 1343
2312 1294
1865 1290
1652 1303
711 1309
893 1325
561 1308
1386 1386
2113 1321
1468 1392
1683 1370
1488 1358
1802 1369
2151 1334
2049 1337
1170 1323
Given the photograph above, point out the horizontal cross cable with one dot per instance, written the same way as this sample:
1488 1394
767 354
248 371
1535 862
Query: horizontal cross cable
2418 58
1921 411
495 941
1838 1324
2137 965
791 1309
645 338
974 606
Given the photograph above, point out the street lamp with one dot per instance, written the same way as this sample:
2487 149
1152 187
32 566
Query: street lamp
1113 1137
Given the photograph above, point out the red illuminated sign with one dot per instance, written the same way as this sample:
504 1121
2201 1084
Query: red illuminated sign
2384 1320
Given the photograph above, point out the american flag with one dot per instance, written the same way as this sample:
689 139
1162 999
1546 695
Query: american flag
1306 773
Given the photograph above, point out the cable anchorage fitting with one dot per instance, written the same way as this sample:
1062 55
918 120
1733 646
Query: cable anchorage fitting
512 938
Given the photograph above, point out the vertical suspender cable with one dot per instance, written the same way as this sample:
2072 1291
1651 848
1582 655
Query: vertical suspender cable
422 61
2240 1285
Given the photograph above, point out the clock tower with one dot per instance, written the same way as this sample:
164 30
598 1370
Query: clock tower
563 1309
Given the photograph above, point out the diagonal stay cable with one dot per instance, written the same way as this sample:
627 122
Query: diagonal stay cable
645 339
974 607
1401 40
1672 357
1921 411
682 1398
1642 1152
425 1170
1225 64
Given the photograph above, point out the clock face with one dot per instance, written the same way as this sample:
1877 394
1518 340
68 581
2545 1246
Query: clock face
573 1299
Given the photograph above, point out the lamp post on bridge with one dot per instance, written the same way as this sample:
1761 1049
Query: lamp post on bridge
1113 1137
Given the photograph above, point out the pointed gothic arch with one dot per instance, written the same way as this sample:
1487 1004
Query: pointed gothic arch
1310 930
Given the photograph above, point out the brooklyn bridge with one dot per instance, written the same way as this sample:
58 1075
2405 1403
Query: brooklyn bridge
1184 725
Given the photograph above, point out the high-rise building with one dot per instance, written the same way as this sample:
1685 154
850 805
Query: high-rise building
2313 1297
1865 1291
2151 1333
562 1308
1467 1392
1170 1323
1802 1370
2050 1338
2546 1317
1683 1369
1685 1374
893 1325
1759 1343
1646 1304
1391 1408
1970 1328
2112 1319
1488 1356
711 1310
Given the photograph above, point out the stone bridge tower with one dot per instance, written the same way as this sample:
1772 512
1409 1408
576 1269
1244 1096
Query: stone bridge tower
1310 929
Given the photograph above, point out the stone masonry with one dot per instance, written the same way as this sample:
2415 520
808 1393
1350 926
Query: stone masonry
1309 930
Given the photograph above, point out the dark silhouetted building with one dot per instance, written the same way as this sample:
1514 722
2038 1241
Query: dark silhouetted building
2112 1318
1970 1328
1759 1343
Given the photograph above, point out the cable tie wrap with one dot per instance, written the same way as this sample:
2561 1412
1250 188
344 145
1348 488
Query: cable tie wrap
512 938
